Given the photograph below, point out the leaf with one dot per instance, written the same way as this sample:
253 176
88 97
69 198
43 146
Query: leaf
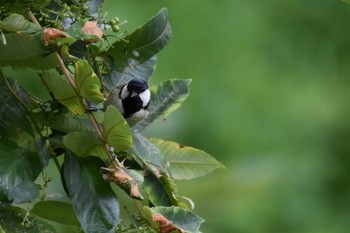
133 70
24 45
186 162
13 118
79 49
53 36
56 211
143 43
145 152
160 190
24 192
18 168
15 23
12 217
165 98
116 130
43 151
63 92
178 217
88 84
93 200
66 123
84 144
121 176
92 29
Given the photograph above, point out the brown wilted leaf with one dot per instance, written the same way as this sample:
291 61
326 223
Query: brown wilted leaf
165 225
52 33
91 28
123 180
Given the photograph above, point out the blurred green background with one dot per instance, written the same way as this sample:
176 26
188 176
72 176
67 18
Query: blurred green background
270 99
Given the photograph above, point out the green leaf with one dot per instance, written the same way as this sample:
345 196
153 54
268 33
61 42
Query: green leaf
180 217
67 123
166 97
93 200
131 71
143 43
88 84
13 118
18 168
43 151
84 144
56 211
23 45
12 217
15 23
145 152
160 190
186 162
116 130
63 93
24 192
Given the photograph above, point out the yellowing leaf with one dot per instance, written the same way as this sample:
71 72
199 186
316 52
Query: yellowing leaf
116 130
87 82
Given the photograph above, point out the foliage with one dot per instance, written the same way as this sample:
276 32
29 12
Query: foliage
80 56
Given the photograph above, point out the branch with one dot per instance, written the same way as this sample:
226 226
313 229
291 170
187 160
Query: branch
82 100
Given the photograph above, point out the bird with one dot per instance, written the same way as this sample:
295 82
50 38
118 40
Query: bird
131 99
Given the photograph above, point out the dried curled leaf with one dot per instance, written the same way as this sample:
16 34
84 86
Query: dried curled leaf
121 178
165 226
91 28
52 33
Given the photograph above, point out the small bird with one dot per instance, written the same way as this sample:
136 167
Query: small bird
132 100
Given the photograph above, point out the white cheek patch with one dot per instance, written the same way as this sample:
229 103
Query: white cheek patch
124 93
145 97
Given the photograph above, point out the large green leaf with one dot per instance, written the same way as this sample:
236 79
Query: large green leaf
13 118
23 45
133 70
18 170
12 219
166 97
63 92
17 23
160 190
93 200
85 144
143 43
146 153
87 82
186 162
116 130
25 191
179 217
56 211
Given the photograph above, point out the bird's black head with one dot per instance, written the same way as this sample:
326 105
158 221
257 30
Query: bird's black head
137 86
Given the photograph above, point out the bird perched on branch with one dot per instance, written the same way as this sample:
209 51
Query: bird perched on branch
132 100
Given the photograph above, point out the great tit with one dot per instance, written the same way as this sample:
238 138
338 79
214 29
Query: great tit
132 100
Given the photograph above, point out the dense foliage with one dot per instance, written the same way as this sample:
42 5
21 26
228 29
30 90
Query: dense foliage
79 56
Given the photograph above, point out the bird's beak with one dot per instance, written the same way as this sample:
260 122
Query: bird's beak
133 94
